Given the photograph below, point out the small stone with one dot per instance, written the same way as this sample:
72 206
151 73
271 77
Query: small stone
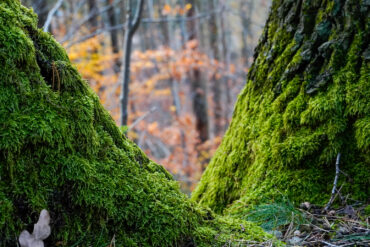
350 211
305 205
297 233
342 230
331 213
295 240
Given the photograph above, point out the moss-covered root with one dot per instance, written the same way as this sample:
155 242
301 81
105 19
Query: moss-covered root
229 231
306 100
60 150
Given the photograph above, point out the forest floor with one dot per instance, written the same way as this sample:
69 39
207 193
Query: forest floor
345 226
312 225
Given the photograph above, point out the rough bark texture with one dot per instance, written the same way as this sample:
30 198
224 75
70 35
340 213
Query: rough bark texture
306 100
61 151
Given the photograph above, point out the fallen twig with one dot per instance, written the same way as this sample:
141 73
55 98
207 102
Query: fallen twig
329 244
290 227
337 171
113 241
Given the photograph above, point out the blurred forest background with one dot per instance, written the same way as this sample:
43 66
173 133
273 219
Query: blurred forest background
189 61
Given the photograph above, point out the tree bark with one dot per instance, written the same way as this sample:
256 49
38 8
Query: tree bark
62 151
132 23
305 101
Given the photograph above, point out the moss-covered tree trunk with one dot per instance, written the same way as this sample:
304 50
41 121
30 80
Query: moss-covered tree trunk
307 98
61 151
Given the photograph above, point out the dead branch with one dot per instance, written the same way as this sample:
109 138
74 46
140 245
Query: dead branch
333 191
328 244
51 14
153 109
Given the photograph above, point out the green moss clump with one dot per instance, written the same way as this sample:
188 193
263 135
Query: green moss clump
367 211
60 150
306 100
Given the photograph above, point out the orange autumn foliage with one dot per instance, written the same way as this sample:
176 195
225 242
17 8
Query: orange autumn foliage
177 10
168 135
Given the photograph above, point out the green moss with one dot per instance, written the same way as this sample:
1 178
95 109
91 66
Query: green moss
301 106
232 231
60 150
367 211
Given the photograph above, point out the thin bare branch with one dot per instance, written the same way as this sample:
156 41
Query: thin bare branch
51 14
328 244
333 191
137 18
97 32
153 109
131 26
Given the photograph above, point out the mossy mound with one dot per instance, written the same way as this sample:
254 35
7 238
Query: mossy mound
60 150
306 100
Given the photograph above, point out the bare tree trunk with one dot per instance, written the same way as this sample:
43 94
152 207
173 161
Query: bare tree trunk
177 103
245 14
114 35
42 12
216 83
93 21
150 30
47 22
200 105
164 29
131 26
184 34
145 39
198 86
169 31
226 60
